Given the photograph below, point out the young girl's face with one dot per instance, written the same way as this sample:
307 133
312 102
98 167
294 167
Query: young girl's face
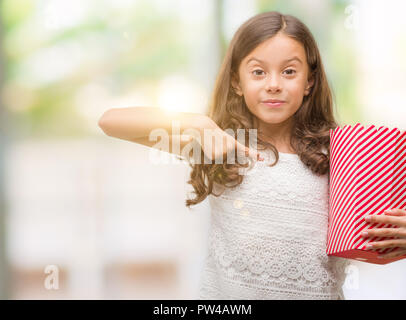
276 69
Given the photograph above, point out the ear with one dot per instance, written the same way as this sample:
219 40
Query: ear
236 86
309 86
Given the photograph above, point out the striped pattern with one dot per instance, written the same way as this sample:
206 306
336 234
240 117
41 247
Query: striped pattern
367 176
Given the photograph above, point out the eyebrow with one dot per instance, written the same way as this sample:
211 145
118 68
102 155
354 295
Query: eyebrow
288 60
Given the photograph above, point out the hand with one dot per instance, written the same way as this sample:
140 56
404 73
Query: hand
396 217
214 150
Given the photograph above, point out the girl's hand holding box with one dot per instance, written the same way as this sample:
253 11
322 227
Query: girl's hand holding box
395 217
367 177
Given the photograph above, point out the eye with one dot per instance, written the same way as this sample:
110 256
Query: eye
294 71
254 72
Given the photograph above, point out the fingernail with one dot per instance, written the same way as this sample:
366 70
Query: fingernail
389 210
364 233
368 218
380 257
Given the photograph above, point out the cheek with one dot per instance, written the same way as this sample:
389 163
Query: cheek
295 89
253 91
254 86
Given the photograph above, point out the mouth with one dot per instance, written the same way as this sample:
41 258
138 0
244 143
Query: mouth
273 103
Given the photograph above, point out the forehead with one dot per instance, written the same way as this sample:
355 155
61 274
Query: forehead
276 50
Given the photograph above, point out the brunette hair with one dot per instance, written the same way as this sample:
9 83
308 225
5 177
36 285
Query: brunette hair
310 136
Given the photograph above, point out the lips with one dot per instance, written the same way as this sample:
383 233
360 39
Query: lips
273 101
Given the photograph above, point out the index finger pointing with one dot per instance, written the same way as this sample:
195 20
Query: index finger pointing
252 153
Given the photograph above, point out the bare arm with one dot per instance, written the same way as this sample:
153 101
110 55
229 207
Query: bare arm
137 123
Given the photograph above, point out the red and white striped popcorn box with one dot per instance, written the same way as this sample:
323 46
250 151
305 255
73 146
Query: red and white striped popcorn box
367 177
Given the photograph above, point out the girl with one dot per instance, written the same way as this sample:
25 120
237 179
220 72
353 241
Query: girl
268 226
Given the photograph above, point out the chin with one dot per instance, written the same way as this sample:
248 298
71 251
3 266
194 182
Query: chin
273 119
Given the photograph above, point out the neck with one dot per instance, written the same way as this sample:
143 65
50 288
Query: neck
277 134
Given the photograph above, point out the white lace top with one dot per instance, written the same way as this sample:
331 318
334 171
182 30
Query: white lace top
268 236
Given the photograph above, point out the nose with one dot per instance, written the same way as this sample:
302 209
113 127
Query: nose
273 84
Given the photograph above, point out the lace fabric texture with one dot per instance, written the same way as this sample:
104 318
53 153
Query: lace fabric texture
267 237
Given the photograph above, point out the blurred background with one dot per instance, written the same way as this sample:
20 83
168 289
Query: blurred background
87 216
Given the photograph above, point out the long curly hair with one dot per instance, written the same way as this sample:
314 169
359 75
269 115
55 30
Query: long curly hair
310 136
